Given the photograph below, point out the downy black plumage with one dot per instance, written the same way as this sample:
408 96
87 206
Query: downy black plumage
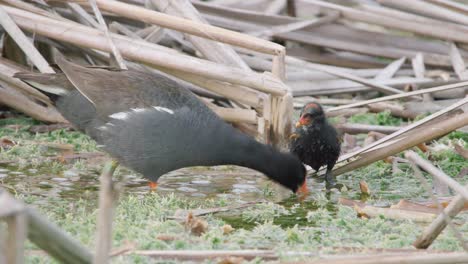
316 142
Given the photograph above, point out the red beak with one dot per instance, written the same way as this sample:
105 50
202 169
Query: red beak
303 190
302 121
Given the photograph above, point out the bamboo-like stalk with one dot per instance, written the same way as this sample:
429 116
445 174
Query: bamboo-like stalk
23 42
420 28
143 52
330 70
235 114
17 232
212 50
103 26
392 213
188 26
233 92
432 231
427 9
417 258
11 97
406 129
45 234
460 7
427 166
389 71
269 32
82 15
107 199
418 174
398 96
364 129
411 139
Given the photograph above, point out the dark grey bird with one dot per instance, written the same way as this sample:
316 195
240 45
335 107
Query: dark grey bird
316 142
154 125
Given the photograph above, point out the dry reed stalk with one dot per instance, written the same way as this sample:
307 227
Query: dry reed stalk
427 9
406 129
330 70
103 27
432 30
107 201
391 213
23 42
440 209
415 258
391 69
143 52
431 169
45 234
188 26
451 5
10 96
352 129
398 96
432 231
411 139
212 50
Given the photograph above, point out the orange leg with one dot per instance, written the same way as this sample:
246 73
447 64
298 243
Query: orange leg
153 185
303 190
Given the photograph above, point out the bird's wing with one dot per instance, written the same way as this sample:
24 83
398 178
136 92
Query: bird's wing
157 140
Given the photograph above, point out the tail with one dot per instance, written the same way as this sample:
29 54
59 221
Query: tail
53 83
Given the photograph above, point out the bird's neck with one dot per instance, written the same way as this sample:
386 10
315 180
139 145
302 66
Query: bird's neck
247 152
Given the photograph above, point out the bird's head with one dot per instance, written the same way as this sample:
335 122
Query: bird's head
310 112
291 173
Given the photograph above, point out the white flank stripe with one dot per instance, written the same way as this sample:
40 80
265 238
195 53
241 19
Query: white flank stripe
102 128
120 115
161 109
138 110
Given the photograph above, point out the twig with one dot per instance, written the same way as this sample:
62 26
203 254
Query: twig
411 139
440 208
364 129
434 30
438 225
115 52
427 166
47 235
23 42
391 213
406 129
107 200
389 71
380 87
85 18
457 62
427 9
397 96
264 33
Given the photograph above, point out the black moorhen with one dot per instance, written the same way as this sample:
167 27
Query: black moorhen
154 125
316 142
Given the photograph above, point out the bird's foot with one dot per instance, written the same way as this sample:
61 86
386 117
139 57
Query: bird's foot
330 182
153 185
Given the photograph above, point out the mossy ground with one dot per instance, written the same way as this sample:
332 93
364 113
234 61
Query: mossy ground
319 223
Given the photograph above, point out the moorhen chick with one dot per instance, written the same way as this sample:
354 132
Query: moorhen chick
316 142
154 125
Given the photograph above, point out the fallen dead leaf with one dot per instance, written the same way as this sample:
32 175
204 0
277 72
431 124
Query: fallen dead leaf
227 229
364 188
197 226
461 151
232 260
